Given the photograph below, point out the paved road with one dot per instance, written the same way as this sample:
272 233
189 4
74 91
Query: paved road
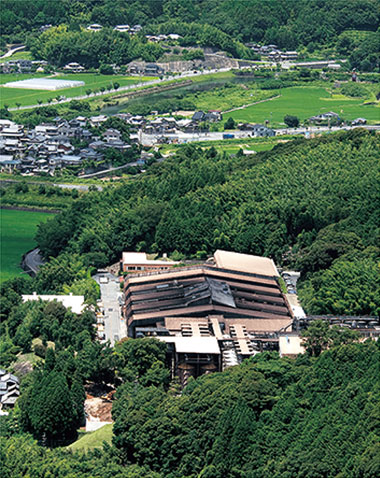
180 137
12 50
114 324
106 171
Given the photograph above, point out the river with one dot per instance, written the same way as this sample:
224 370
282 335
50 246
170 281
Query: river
196 86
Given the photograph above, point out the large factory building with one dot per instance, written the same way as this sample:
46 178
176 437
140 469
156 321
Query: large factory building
211 315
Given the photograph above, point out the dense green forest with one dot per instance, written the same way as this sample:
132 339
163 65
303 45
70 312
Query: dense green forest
224 24
309 204
267 418
292 21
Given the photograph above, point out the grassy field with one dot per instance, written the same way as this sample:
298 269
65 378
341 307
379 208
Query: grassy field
304 102
11 96
20 55
91 440
17 237
230 96
232 146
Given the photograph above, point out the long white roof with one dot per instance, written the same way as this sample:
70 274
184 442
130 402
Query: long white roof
44 84
199 345
134 258
75 302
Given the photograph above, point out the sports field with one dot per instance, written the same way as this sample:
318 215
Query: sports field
18 229
304 102
13 96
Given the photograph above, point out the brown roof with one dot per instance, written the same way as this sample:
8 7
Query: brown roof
245 263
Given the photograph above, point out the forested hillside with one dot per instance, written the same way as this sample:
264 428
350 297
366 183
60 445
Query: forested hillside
309 204
224 24
290 22
267 418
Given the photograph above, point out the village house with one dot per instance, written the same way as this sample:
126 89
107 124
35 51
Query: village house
122 28
325 118
111 135
8 163
258 130
97 120
74 67
94 27
9 390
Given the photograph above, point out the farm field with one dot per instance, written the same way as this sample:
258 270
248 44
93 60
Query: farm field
304 102
227 97
11 96
231 146
91 440
17 237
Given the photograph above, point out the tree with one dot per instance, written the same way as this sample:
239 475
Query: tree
144 360
116 85
230 123
105 69
18 105
50 410
316 337
88 91
320 336
49 360
78 396
291 121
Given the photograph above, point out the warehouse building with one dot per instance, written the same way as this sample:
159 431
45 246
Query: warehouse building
212 315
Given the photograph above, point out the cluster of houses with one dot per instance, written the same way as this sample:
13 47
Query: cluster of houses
132 30
197 122
272 52
333 119
323 118
22 66
162 37
48 147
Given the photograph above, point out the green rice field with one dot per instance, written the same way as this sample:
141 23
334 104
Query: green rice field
232 146
304 102
12 96
18 229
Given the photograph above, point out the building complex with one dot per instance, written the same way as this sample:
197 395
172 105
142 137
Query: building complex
211 315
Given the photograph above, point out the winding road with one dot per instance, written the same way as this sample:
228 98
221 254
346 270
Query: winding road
13 50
